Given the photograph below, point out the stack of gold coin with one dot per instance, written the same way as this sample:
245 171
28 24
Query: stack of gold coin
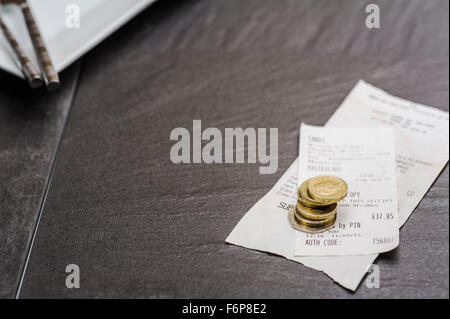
316 208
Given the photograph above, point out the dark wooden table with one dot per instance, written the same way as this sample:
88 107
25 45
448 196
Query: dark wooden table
97 188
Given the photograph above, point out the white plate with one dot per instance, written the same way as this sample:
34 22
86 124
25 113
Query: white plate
98 19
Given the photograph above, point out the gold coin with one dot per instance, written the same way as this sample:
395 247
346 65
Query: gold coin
311 230
322 213
304 197
327 188
313 223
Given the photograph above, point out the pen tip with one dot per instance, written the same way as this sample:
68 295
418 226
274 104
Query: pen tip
53 86
36 83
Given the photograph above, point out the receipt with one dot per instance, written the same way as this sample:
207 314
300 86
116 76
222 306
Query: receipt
367 219
422 138
422 148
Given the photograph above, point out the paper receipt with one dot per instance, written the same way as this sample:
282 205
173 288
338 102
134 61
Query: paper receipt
367 219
